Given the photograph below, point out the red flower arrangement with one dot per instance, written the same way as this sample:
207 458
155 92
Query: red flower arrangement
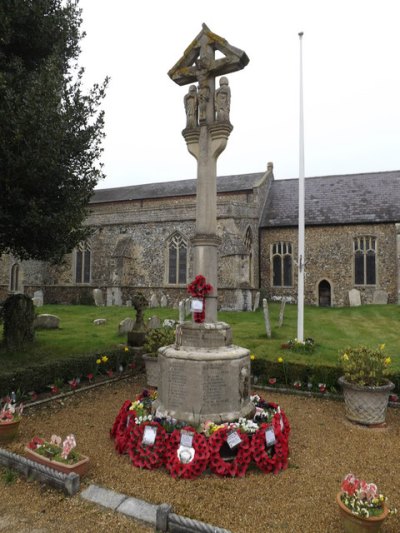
198 463
271 458
143 455
120 430
238 466
199 289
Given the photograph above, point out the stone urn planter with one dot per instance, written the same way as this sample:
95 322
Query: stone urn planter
80 467
357 524
9 430
364 404
152 369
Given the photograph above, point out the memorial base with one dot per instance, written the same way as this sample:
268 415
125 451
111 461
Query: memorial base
204 377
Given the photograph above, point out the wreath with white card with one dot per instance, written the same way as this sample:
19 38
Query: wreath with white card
187 453
236 440
147 444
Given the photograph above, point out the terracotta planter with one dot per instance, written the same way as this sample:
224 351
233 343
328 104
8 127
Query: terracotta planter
366 405
8 431
357 524
80 468
152 370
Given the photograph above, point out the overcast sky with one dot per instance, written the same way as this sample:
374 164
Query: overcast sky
351 73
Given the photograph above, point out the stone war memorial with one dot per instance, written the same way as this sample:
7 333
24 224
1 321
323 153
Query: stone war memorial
202 415
204 376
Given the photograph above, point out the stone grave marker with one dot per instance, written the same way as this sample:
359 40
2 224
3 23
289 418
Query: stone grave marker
256 301
125 326
354 298
46 321
153 302
114 296
154 322
99 321
380 297
164 301
266 318
38 298
98 297
282 312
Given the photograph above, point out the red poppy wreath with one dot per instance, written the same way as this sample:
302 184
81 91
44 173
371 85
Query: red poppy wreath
270 457
120 431
186 465
236 467
146 455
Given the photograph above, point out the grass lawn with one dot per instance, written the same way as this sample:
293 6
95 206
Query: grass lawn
332 329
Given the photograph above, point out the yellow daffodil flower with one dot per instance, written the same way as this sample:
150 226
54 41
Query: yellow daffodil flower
126 349
98 361
381 347
387 361
345 357
104 359
280 359
252 357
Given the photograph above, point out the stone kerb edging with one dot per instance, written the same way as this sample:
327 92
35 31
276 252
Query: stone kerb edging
69 483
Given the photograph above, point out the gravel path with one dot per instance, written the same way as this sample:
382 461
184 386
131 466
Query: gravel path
323 448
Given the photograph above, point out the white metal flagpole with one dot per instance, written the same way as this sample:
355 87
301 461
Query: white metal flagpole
300 264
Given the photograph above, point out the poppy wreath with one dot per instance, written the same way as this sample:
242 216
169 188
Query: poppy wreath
239 465
120 431
270 458
286 426
198 288
146 456
199 463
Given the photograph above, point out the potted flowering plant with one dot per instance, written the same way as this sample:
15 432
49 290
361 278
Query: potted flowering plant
57 454
365 388
361 507
10 418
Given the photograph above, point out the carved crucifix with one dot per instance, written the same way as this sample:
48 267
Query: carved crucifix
206 134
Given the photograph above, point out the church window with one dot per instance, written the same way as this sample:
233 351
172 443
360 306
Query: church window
282 264
365 260
82 263
14 278
177 260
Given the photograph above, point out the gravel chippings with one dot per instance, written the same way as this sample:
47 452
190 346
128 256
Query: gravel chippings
324 447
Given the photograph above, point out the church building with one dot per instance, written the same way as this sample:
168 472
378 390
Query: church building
141 241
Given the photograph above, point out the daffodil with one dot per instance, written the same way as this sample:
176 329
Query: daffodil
104 359
381 347
98 361
387 361
280 359
345 357
126 349
252 357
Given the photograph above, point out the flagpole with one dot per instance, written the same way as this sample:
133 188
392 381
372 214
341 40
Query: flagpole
300 261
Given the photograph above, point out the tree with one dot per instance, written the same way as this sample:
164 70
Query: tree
50 130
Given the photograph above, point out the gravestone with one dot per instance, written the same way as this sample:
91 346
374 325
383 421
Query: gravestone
46 321
125 326
380 297
100 321
114 296
247 300
163 301
282 312
256 301
128 303
154 322
98 297
238 300
266 318
38 298
354 298
204 376
153 301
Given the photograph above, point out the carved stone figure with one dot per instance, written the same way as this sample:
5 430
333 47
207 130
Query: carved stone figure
191 106
223 100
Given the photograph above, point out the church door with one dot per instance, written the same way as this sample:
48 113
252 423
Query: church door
324 294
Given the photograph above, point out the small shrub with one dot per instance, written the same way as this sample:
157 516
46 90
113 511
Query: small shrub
158 337
365 366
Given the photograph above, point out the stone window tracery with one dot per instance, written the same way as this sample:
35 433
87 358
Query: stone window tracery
364 260
281 256
177 260
83 258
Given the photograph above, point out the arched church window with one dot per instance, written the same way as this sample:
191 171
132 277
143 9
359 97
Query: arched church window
282 260
177 260
364 260
83 263
15 278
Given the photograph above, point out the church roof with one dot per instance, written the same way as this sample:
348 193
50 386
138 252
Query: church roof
167 189
344 199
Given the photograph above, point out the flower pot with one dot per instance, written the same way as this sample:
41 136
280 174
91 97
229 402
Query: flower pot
8 431
80 468
152 370
357 524
366 405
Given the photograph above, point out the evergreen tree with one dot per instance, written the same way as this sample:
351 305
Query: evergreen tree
50 130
